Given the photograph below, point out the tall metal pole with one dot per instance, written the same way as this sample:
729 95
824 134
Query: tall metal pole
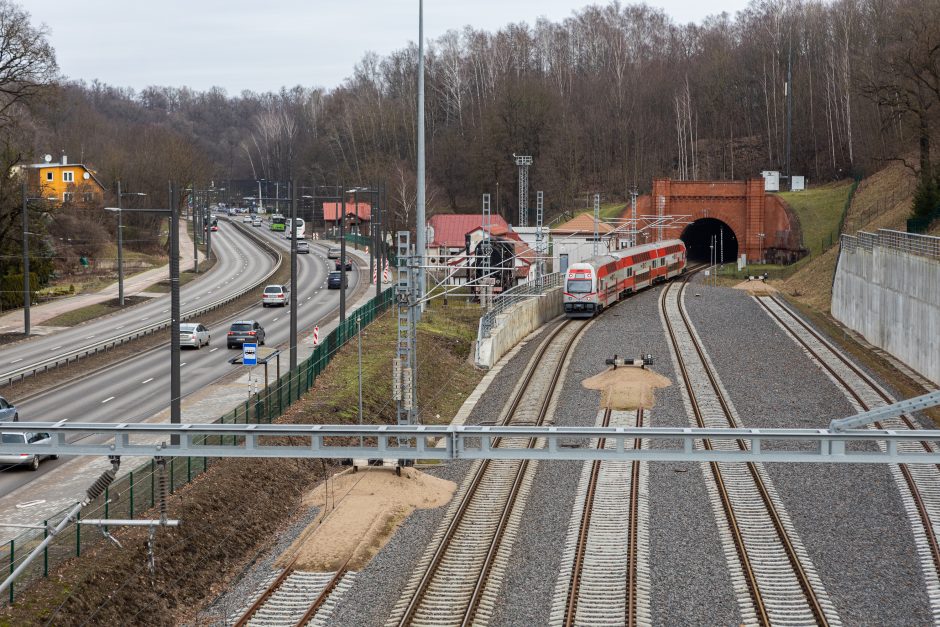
208 226
195 208
175 393
120 238
342 256
359 335
294 289
420 228
377 241
26 297
789 107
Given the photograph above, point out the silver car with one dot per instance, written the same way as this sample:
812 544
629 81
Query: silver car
303 248
275 295
27 440
194 334
8 410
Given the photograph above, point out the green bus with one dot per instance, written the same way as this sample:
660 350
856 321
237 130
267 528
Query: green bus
278 222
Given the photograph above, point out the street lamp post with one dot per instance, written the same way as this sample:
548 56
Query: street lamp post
175 413
120 242
293 276
26 297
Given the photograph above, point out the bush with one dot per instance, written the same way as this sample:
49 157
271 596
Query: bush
926 197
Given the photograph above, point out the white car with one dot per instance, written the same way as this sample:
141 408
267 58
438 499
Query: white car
303 248
256 221
246 219
31 460
194 334
275 295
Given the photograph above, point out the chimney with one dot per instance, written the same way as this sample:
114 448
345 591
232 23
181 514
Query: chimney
65 160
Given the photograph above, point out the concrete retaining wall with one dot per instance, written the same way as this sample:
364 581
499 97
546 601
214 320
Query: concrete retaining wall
516 323
892 298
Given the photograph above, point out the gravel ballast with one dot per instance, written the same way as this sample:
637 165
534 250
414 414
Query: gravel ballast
849 517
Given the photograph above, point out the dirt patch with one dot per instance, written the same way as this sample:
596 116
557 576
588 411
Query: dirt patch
626 387
757 288
359 513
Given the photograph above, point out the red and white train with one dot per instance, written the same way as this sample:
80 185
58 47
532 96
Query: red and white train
603 280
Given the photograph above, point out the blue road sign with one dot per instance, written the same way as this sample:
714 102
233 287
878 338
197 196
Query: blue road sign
249 354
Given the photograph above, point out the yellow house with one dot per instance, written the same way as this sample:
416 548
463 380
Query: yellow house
69 183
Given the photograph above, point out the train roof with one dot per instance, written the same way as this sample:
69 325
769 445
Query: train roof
601 260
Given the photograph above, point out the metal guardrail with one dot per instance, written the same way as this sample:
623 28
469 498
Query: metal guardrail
64 359
912 243
514 295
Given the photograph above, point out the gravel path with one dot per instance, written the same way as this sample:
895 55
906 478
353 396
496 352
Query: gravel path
850 518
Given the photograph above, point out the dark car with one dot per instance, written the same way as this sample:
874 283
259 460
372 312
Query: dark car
348 264
336 280
243 331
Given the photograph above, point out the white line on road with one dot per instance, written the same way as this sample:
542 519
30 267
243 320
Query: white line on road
275 320
182 364
214 349
89 337
147 381
110 398
16 360
119 328
55 348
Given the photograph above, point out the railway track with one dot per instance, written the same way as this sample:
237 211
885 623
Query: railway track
458 578
774 579
604 578
919 484
295 597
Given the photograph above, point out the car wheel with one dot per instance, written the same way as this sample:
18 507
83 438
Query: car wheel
34 465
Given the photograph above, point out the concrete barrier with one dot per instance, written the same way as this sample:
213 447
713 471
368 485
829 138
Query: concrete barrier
892 297
516 323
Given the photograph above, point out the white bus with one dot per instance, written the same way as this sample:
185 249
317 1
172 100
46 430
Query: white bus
300 229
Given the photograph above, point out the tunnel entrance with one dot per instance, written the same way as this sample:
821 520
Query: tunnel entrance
698 240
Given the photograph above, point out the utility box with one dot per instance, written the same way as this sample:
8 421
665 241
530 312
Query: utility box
797 183
771 180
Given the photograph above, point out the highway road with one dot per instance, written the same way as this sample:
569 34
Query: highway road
136 389
237 255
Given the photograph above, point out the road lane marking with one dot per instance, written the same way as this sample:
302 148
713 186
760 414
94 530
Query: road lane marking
214 349
16 360
89 337
55 348
147 381
275 320
110 398
182 364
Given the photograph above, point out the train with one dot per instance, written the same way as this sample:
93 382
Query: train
592 285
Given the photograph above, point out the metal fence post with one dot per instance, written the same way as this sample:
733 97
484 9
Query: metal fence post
153 468
107 505
45 549
12 568
78 536
130 508
172 467
189 469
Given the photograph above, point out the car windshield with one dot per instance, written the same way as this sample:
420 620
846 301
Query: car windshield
272 289
13 438
579 286
334 275
241 326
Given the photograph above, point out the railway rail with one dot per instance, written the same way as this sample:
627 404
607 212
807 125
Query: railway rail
604 579
764 554
295 597
458 578
919 484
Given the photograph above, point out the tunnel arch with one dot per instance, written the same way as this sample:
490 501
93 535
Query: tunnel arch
698 237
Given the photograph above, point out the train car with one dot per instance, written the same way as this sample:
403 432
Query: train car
499 265
603 280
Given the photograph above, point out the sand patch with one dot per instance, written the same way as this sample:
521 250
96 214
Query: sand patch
757 288
362 511
627 388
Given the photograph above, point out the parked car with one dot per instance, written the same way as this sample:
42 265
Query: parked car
348 264
302 247
194 334
256 221
31 460
336 280
275 295
333 253
8 410
243 331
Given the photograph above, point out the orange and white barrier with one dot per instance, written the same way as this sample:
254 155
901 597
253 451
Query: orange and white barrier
316 335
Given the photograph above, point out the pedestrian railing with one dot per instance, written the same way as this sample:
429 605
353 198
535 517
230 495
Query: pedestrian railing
911 243
512 296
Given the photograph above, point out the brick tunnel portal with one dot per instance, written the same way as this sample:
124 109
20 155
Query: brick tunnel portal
698 240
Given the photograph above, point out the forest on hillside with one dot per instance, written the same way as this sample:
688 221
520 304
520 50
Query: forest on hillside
605 100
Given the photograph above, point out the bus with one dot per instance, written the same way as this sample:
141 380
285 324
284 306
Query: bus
278 222
301 228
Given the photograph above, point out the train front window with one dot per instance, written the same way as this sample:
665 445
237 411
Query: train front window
579 286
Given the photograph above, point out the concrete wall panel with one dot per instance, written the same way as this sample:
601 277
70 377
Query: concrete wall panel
892 298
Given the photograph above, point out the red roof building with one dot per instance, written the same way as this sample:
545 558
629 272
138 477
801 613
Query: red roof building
448 231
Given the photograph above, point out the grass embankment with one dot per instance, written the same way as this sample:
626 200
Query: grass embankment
236 509
820 212
90 312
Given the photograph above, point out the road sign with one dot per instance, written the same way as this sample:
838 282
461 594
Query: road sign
249 354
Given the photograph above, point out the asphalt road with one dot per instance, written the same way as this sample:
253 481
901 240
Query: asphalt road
136 389
237 256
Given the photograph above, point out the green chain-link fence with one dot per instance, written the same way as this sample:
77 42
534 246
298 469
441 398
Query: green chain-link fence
138 491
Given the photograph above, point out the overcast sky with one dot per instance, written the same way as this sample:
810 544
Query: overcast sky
261 46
